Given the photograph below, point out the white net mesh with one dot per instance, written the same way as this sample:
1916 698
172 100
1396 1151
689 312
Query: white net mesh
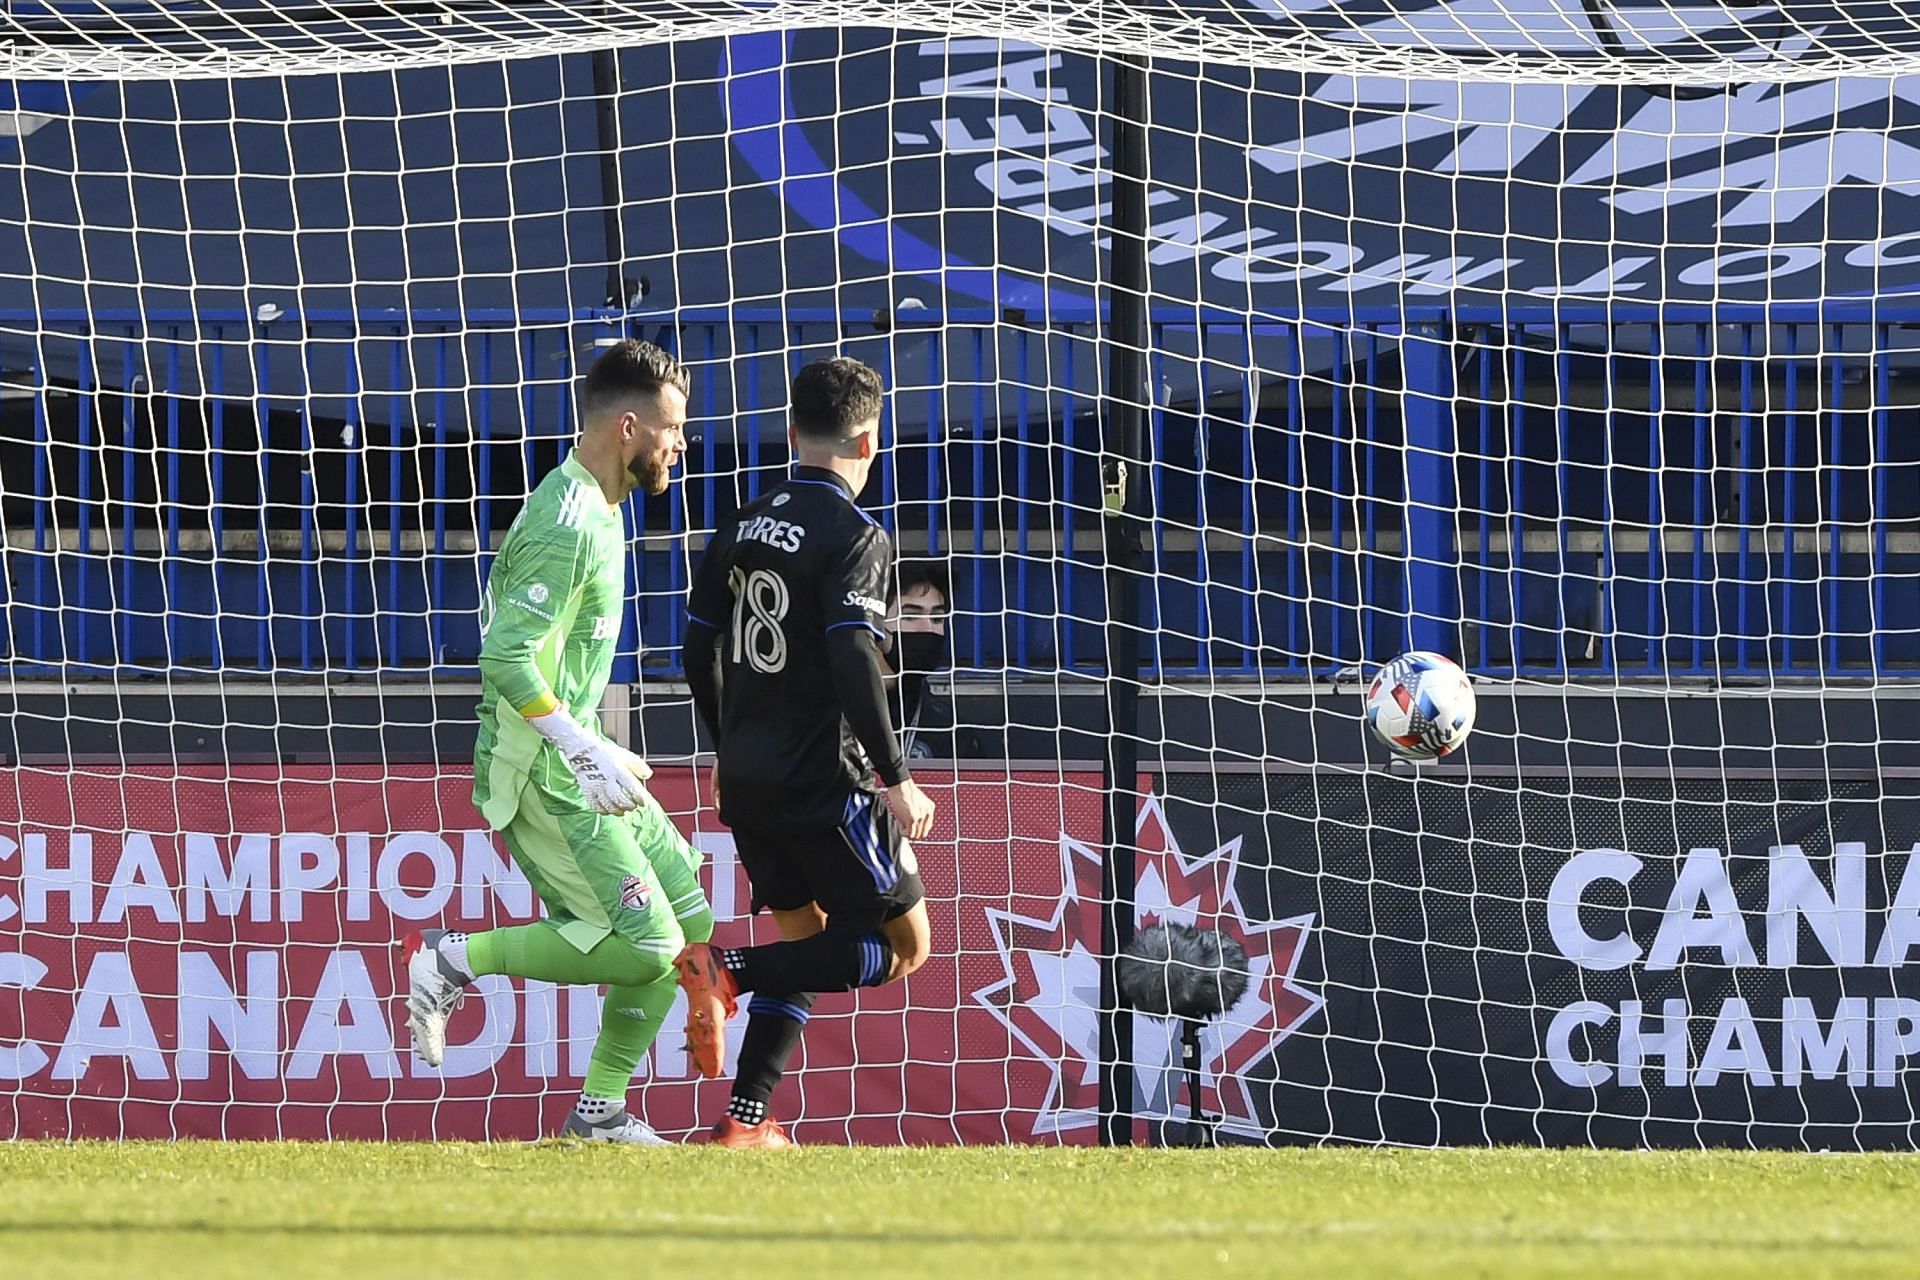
1571 341
1497 40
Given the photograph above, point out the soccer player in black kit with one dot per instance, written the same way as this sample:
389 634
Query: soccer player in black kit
783 652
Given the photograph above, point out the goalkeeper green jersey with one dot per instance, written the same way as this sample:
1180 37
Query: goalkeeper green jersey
549 621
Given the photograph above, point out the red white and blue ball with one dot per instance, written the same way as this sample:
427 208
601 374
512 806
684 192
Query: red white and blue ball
1421 705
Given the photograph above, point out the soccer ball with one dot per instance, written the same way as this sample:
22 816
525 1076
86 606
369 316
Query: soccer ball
1421 705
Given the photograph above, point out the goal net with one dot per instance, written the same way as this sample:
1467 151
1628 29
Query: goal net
1572 341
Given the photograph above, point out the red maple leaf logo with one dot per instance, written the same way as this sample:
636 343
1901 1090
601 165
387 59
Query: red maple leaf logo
1050 990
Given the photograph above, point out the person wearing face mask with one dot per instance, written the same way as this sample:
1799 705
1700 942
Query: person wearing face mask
920 649
919 626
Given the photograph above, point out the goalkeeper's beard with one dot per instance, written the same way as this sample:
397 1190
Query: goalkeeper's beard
649 475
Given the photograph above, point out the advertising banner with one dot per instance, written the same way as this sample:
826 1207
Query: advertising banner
1623 962
208 952
1637 962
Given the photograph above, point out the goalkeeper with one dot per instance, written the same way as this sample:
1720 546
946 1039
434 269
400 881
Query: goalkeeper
620 885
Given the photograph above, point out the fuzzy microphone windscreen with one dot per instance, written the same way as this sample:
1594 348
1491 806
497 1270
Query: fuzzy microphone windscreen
1178 971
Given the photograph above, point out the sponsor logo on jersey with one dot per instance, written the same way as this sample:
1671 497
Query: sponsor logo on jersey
868 603
782 499
634 894
606 628
537 593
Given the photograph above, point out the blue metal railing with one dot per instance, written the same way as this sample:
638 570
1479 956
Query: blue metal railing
1616 491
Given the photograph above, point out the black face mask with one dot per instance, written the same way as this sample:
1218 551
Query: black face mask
916 654
920 652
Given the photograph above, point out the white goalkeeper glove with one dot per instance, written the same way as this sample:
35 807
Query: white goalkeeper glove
610 776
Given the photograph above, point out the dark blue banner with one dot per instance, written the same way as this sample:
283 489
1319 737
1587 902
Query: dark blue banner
858 169
1588 961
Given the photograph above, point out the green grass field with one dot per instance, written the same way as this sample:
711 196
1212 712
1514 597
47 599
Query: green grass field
211 1210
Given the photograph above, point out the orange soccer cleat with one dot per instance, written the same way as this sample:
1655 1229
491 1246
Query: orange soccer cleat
712 998
768 1135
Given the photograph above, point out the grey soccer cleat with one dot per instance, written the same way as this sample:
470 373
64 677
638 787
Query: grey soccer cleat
621 1126
434 990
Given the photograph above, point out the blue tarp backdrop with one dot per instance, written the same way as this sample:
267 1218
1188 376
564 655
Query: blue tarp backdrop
851 169
1452 348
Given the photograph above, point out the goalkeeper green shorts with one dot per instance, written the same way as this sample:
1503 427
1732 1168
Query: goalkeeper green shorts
630 874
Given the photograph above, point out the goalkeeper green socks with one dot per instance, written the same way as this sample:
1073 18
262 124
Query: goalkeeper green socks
538 951
629 1020
640 990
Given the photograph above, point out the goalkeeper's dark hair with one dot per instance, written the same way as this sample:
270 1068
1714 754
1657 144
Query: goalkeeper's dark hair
832 398
627 371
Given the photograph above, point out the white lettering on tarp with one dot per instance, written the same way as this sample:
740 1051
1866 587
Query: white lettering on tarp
9 908
1896 1034
346 1019
1703 922
1565 897
41 880
226 1012
1893 251
669 1057
482 868
1414 273
21 972
1033 185
1794 894
1734 1045
1702 911
1817 164
1063 126
1903 918
1701 884
138 880
1609 279
1420 111
1639 1042
1845 1042
723 861
1581 1073
254 876
207 877
1277 264
1018 77
247 1021
309 863
1665 130
1180 239
1014 106
541 1017
1016 178
1016 82
1744 266
402 902
359 846
110 1021
1737 1043
583 1028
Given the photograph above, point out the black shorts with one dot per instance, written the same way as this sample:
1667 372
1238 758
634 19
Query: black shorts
862 872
